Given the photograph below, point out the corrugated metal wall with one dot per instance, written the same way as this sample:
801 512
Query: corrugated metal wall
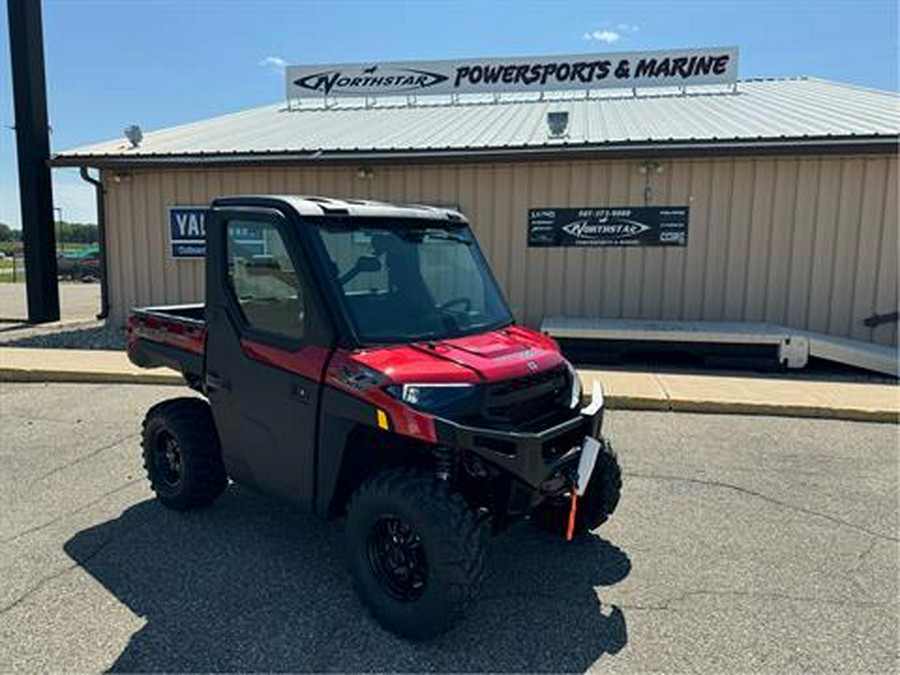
808 242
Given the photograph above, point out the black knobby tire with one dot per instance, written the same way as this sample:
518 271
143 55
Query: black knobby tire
595 506
448 536
189 474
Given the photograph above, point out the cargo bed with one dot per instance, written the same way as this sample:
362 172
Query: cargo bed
172 336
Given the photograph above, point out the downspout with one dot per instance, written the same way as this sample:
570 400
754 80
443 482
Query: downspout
101 236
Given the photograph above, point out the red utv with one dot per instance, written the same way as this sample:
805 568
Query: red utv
360 360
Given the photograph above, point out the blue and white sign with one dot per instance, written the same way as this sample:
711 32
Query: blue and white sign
187 234
187 231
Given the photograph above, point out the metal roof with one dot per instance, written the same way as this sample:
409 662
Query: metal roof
795 112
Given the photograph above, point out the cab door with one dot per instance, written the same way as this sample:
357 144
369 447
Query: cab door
267 347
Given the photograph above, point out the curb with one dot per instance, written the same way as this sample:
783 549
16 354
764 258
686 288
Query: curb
613 402
80 377
748 408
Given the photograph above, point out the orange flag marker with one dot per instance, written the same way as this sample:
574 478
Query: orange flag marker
570 530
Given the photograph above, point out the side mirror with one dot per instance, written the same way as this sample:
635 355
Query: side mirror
263 262
364 263
368 263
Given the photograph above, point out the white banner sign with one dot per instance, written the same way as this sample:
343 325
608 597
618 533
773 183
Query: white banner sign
678 67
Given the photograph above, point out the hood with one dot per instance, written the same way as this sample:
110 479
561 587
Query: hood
486 357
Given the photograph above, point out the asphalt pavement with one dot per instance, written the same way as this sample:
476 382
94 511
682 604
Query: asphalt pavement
740 544
78 301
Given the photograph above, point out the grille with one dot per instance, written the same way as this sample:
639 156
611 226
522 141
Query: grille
526 399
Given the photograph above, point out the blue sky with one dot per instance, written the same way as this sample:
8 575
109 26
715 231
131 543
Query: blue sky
156 63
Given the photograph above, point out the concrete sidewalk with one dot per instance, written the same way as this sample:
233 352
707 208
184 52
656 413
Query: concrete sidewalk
625 390
77 365
747 394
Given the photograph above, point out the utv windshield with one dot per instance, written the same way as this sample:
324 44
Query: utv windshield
406 280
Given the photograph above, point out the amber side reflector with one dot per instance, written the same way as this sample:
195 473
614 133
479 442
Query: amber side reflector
382 419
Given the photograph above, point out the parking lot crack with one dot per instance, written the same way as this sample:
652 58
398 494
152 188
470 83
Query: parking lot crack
518 595
56 575
67 514
36 418
861 558
87 456
770 596
764 497
647 608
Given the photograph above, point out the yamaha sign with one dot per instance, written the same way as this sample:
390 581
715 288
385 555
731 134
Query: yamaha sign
669 68
187 234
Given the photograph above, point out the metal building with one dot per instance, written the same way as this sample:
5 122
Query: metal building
791 186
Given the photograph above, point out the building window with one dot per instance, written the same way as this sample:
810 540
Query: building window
264 279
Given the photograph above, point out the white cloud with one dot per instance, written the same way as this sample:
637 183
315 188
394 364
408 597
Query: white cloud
607 36
273 62
628 27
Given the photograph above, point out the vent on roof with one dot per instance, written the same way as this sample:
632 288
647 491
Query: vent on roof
558 124
134 135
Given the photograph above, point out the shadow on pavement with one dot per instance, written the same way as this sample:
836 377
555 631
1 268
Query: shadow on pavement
253 585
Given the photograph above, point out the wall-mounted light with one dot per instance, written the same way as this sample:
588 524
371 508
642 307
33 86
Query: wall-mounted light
365 173
650 167
122 176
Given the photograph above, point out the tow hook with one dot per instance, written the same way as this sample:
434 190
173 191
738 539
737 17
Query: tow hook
555 485
561 483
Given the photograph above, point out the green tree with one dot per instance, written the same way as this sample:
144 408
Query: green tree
8 234
77 233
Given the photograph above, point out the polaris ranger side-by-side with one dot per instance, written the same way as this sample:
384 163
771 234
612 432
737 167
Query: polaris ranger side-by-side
360 360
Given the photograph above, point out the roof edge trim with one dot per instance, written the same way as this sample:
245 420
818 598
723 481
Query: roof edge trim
873 144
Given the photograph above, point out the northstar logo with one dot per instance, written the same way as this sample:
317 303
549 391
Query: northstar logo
585 229
370 80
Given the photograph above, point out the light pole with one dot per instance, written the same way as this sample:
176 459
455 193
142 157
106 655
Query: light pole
26 48
59 221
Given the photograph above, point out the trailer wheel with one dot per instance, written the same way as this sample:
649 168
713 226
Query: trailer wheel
182 454
594 507
416 552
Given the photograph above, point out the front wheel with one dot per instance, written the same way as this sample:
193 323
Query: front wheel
595 506
416 552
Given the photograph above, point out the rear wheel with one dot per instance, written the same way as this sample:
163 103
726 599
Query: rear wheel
416 552
595 506
182 455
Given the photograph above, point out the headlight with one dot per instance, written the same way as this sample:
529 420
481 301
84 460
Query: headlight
575 399
433 396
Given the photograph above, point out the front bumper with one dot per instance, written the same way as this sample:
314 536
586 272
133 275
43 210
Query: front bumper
532 457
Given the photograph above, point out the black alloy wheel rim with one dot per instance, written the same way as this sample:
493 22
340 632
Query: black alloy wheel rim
397 558
168 459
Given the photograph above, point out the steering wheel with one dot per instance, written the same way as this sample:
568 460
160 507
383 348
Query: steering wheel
466 302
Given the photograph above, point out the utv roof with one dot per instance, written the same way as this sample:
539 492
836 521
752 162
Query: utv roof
311 205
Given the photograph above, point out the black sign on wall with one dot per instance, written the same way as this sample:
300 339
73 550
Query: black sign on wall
609 226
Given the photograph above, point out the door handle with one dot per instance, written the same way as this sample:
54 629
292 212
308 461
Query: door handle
300 393
216 383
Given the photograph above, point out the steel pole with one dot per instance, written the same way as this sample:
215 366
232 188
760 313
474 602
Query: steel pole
26 46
